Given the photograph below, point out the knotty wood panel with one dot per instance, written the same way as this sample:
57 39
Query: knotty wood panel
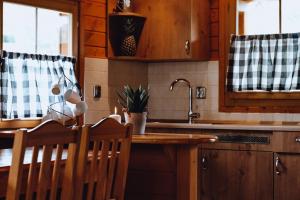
94 52
94 24
92 30
214 3
93 9
99 1
151 165
94 39
214 43
214 15
286 184
235 175
166 31
214 30
286 142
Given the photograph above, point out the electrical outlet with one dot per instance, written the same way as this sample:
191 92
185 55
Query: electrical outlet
200 92
97 91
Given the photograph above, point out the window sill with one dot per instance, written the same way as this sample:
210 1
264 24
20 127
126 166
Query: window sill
19 123
260 102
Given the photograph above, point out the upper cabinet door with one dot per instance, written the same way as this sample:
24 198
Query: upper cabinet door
167 29
174 29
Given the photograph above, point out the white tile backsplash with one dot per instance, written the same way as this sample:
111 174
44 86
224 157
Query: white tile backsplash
96 73
111 76
164 105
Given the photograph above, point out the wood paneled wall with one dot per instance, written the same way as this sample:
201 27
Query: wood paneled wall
214 32
92 34
93 28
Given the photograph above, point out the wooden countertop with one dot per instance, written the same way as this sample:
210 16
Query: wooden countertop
225 126
171 138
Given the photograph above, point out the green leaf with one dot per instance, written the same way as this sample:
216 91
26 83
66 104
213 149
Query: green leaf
133 100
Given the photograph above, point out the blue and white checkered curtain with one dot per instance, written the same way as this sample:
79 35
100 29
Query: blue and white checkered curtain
26 81
264 63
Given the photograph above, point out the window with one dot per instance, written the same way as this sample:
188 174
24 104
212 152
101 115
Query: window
267 16
45 31
253 19
39 27
233 19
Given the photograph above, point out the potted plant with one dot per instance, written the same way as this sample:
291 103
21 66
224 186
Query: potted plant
134 103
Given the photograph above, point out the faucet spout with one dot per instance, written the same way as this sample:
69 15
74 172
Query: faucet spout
191 115
179 80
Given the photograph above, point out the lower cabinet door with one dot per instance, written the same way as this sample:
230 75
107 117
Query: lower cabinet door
236 175
287 176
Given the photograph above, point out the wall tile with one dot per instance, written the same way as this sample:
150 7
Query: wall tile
206 74
95 64
96 73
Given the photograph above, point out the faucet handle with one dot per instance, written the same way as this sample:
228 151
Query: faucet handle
194 115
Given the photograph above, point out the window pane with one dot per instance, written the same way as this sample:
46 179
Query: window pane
30 29
257 17
19 28
54 32
290 16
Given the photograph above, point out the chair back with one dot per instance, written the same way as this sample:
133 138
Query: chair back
48 142
104 167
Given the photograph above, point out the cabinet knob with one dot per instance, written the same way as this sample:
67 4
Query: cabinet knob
277 165
297 139
187 47
204 163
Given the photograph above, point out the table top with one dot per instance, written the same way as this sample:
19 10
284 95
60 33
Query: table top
172 138
150 138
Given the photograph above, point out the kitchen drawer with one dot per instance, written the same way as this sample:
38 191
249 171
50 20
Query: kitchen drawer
286 142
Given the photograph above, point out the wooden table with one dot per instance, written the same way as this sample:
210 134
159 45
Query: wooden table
165 166
148 158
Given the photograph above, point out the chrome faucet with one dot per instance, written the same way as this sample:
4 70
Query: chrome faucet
191 114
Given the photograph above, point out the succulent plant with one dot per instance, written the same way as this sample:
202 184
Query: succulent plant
133 101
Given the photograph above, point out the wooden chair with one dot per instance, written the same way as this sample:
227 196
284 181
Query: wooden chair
110 142
48 135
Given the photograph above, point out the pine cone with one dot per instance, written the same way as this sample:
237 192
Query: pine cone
128 46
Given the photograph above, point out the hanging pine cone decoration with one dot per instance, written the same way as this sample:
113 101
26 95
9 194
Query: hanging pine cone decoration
128 46
125 31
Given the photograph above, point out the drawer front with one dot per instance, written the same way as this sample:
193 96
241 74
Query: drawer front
286 142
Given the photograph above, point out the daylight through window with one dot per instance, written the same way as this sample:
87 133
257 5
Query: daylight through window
29 29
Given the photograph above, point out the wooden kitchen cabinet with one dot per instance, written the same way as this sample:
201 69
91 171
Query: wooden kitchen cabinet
174 30
286 176
236 175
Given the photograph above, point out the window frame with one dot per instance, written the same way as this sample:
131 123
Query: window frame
256 102
68 6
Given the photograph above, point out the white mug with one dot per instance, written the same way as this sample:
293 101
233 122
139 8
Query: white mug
56 89
80 108
51 115
72 96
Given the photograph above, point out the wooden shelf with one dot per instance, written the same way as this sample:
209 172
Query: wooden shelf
127 14
148 60
128 58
